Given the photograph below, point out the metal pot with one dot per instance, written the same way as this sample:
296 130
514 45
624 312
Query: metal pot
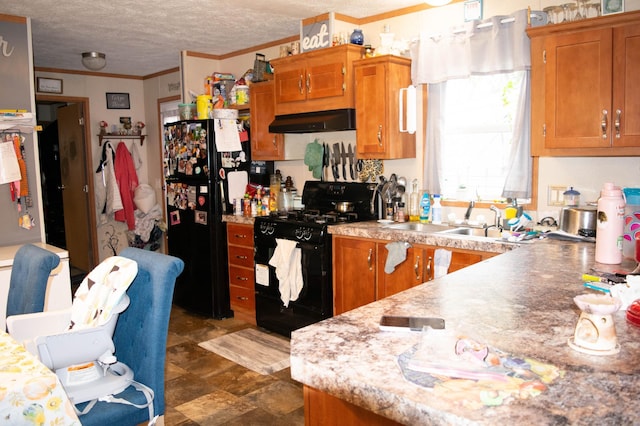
344 206
578 220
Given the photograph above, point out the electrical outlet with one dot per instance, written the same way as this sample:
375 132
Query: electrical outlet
555 195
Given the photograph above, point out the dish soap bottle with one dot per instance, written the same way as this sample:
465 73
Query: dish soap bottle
414 202
425 206
610 225
436 210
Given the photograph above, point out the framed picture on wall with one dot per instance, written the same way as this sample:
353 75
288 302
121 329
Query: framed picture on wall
472 10
49 85
118 101
610 7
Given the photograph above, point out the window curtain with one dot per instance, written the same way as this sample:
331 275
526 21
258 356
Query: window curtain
495 45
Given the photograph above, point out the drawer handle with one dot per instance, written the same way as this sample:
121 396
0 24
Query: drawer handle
369 259
300 84
380 135
242 298
240 235
429 269
617 123
239 278
308 83
241 257
416 267
603 123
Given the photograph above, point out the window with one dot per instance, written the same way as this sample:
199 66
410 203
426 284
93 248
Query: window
478 118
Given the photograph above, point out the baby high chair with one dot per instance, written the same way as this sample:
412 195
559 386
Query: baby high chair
77 343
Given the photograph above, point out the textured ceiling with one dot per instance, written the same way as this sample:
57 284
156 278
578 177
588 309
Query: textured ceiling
143 37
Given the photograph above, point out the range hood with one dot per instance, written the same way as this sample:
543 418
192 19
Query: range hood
312 122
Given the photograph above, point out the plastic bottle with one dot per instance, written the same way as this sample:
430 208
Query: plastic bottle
610 225
425 207
414 202
436 210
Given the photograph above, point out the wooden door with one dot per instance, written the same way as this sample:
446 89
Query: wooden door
354 273
264 145
626 90
407 274
578 77
370 110
75 195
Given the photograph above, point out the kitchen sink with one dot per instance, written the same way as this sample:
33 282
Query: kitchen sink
475 232
415 226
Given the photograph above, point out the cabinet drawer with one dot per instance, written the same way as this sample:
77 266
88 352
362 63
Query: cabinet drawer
240 234
242 277
242 298
241 256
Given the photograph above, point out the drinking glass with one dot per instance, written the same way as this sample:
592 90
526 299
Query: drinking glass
549 11
569 10
581 6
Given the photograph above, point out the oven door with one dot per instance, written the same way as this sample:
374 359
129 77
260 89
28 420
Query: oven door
315 301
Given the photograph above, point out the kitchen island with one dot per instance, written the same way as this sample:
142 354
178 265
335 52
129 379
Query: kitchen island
520 302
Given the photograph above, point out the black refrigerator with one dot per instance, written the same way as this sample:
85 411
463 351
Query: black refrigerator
199 182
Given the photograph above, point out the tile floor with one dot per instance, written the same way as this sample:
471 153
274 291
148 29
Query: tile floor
203 388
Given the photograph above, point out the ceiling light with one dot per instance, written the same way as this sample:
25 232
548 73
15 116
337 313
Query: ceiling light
94 61
437 2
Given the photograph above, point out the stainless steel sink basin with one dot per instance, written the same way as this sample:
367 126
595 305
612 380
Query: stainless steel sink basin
475 232
414 226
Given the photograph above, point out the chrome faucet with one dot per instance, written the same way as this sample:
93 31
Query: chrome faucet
498 218
467 215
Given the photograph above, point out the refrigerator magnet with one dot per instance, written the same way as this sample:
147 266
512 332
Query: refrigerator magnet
175 217
201 217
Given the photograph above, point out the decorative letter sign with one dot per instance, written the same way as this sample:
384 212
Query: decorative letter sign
316 34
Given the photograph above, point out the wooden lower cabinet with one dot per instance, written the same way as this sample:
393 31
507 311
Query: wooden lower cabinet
354 273
359 275
320 408
241 276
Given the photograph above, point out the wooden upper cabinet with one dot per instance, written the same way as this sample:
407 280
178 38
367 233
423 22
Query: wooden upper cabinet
380 110
315 81
264 145
583 97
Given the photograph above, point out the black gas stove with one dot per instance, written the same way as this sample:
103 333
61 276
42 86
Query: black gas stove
309 229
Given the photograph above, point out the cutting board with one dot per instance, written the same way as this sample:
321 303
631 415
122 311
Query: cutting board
237 182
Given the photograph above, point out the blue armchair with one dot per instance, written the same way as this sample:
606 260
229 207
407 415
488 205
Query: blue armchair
30 272
140 338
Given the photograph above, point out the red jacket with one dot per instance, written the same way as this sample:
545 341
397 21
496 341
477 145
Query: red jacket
127 180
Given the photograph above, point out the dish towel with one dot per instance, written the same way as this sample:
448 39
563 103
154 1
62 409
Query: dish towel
397 254
287 259
442 259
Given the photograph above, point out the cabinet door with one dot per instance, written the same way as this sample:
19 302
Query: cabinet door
325 79
264 145
578 89
370 110
354 273
290 83
411 272
626 90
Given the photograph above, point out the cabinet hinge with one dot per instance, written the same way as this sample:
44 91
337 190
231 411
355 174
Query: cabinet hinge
544 56
544 130
81 121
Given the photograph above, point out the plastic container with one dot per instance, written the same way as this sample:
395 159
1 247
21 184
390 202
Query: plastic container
242 94
187 111
610 225
571 197
425 207
631 221
436 210
204 106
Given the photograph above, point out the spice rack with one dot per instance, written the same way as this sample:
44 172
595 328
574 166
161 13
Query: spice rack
118 136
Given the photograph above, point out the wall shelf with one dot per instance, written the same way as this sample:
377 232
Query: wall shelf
117 136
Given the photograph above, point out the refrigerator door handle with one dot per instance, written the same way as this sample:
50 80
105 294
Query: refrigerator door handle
223 199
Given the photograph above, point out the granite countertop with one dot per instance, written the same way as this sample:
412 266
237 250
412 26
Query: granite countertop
243 220
378 231
520 302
